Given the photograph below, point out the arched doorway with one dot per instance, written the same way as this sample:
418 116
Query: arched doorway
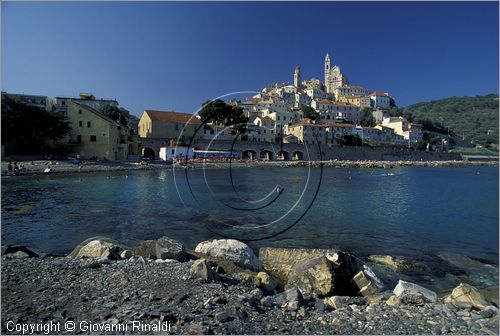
148 153
283 156
249 155
298 156
266 155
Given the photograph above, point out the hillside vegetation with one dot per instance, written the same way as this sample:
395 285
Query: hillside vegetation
474 118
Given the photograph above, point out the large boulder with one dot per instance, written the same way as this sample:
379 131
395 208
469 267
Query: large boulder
290 299
96 247
21 250
145 249
225 266
233 250
279 262
411 293
337 302
466 296
168 248
400 264
265 281
364 284
313 276
201 269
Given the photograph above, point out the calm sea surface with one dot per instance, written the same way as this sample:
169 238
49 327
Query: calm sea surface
416 211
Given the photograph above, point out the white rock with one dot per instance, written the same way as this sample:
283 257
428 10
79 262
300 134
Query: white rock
232 250
126 254
406 289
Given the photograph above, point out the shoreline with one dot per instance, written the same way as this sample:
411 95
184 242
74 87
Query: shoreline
158 281
36 168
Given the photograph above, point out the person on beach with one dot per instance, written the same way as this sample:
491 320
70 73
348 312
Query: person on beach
16 168
10 169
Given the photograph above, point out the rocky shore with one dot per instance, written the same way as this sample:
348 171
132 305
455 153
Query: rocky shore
38 167
66 167
223 287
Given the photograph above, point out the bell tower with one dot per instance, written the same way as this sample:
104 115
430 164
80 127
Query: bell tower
328 73
296 77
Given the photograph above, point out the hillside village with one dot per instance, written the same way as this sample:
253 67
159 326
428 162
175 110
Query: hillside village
306 112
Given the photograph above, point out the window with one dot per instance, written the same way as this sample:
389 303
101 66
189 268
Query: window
79 138
79 111
63 103
93 138
88 123
80 123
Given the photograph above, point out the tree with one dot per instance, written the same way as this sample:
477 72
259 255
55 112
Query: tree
366 117
29 129
220 113
115 113
351 140
309 112
392 102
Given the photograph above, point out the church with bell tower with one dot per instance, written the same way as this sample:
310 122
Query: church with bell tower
333 76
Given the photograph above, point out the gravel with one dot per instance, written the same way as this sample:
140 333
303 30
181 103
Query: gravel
60 289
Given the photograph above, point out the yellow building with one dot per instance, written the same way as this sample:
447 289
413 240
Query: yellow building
94 135
168 125
356 100
306 132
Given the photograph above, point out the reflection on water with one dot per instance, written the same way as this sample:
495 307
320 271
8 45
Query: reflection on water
418 211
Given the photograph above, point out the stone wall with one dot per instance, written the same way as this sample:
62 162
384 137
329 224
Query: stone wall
312 152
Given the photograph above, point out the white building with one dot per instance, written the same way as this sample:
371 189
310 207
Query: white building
380 100
337 112
281 119
176 153
42 102
261 129
315 93
322 105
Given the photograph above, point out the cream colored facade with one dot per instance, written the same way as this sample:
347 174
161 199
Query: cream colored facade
352 90
411 132
306 132
94 135
87 99
168 125
334 132
281 119
356 100
398 124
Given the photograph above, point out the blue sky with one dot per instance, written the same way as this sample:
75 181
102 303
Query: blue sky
174 56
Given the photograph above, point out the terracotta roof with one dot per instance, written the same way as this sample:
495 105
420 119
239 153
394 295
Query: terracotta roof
172 116
332 124
323 101
302 122
357 87
268 119
376 93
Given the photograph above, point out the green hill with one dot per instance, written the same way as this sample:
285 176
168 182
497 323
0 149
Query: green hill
472 118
